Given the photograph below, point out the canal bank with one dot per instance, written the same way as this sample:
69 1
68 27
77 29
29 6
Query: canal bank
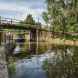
3 64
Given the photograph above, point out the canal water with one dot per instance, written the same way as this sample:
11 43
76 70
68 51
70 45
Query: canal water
48 61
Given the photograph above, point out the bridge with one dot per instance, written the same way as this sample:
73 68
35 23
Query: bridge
15 24
36 32
9 23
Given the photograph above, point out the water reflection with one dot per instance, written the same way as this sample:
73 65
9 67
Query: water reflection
63 63
48 61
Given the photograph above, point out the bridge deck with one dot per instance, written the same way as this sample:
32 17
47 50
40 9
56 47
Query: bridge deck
8 23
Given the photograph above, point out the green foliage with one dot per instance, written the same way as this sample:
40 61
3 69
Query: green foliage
12 67
64 15
45 65
45 17
29 20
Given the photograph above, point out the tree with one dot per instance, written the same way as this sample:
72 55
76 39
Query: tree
45 17
29 20
55 10
64 15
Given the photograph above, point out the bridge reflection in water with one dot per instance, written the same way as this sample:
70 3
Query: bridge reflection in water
29 39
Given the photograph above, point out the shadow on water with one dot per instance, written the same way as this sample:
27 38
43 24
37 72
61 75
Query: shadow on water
47 61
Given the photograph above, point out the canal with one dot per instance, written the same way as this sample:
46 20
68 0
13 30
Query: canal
46 61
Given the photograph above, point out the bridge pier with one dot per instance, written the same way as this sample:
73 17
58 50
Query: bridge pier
34 39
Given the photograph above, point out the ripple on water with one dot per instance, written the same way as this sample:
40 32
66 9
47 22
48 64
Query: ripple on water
31 68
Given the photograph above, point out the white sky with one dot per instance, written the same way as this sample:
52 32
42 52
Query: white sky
20 8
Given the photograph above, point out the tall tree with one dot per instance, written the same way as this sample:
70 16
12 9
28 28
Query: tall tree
29 20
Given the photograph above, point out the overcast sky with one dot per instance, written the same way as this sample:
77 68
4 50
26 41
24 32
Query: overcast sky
20 8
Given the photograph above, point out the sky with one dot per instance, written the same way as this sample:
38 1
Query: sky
19 9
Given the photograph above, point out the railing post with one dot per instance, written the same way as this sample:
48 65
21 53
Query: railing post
11 21
0 19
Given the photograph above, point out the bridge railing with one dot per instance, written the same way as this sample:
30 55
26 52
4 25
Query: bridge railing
16 22
8 20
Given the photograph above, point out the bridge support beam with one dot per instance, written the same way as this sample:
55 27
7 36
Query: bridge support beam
34 39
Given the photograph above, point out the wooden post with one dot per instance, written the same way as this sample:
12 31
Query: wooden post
33 41
33 37
11 21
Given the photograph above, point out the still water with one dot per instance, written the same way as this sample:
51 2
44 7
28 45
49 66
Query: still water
47 61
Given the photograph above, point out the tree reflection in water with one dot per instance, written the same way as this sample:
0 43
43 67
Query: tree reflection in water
63 63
